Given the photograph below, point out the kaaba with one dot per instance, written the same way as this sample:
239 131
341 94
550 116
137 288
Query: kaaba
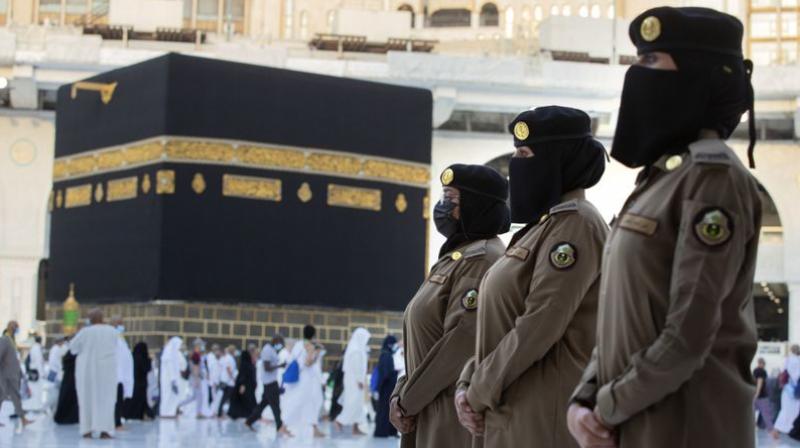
190 179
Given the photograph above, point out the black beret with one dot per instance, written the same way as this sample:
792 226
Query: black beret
549 123
700 29
478 179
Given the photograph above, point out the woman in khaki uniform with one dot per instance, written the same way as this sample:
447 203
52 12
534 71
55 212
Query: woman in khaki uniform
439 322
676 327
538 304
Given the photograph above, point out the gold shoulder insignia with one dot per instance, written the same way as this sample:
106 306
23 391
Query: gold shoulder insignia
563 256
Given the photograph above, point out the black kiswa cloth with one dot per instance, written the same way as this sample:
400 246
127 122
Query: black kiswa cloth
707 48
483 194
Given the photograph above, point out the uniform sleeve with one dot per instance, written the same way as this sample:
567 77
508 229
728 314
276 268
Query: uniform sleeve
704 271
466 373
585 393
398 388
443 363
553 298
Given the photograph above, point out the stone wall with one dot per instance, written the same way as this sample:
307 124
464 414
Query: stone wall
240 325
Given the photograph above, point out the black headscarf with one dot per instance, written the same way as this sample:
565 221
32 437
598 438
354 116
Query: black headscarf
483 211
663 111
141 361
388 343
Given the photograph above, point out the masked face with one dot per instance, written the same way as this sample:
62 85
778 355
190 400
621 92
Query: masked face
395 347
661 112
443 217
120 329
278 347
534 185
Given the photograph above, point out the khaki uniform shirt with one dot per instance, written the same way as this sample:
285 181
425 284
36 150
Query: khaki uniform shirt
676 326
439 337
536 328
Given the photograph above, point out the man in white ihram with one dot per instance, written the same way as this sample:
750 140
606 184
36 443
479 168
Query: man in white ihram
96 375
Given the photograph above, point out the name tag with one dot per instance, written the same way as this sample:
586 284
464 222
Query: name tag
639 224
518 252
438 278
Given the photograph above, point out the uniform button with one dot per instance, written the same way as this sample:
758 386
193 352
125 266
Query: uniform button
674 162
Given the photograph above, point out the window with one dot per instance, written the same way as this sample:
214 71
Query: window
788 24
583 11
764 53
764 25
450 18
408 8
207 9
44 6
235 8
537 13
764 3
489 15
554 11
789 3
789 52
187 9
566 10
596 11
526 14
303 25
611 13
76 7
509 23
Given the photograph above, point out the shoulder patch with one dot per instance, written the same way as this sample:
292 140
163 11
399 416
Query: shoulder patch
711 152
470 300
518 252
563 256
569 206
713 227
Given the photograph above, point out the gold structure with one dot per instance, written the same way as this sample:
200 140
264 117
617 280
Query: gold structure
72 312
106 90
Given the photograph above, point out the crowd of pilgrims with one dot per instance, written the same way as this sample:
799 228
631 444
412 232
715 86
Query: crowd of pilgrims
95 380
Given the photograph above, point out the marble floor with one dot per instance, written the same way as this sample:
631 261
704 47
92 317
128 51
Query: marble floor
210 434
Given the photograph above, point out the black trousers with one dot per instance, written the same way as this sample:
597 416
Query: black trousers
227 393
272 397
118 407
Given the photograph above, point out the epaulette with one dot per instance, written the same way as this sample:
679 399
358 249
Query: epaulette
711 151
569 206
476 250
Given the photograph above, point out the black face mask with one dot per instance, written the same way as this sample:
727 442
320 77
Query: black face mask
661 112
446 224
534 185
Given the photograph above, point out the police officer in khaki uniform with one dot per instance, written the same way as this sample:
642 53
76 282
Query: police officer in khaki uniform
676 328
538 304
439 322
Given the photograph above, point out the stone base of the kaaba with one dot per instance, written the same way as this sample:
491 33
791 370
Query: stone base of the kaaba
155 322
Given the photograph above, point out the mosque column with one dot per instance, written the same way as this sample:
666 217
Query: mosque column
794 312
